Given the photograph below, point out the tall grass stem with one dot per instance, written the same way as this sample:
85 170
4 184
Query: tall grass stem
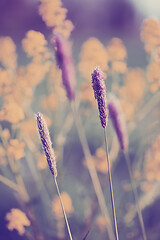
63 209
111 187
91 168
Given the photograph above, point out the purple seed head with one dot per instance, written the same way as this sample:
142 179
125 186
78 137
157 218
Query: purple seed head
100 95
118 121
46 143
64 61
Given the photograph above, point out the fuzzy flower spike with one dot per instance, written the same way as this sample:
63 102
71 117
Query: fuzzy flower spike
100 94
118 121
49 152
65 63
46 143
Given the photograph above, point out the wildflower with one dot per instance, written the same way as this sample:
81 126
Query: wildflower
11 112
54 15
16 149
8 56
52 12
131 92
17 220
34 43
100 94
93 53
46 143
118 121
150 34
65 62
116 50
135 84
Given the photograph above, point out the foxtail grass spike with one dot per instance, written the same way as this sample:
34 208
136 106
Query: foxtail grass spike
118 121
100 95
46 143
64 60
49 152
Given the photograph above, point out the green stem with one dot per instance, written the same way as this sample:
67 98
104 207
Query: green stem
92 169
63 209
111 187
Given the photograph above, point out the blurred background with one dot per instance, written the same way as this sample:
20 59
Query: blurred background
121 37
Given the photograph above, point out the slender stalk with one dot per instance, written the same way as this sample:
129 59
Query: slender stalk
50 156
111 187
145 200
92 169
133 186
9 183
64 212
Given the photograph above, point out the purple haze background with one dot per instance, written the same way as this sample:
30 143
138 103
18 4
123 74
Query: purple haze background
102 19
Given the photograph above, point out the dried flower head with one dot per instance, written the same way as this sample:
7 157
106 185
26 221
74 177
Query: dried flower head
46 143
65 62
118 121
100 94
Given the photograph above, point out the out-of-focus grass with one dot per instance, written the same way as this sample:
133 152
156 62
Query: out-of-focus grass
28 195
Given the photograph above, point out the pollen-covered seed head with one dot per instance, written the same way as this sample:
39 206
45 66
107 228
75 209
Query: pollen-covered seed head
100 95
46 143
